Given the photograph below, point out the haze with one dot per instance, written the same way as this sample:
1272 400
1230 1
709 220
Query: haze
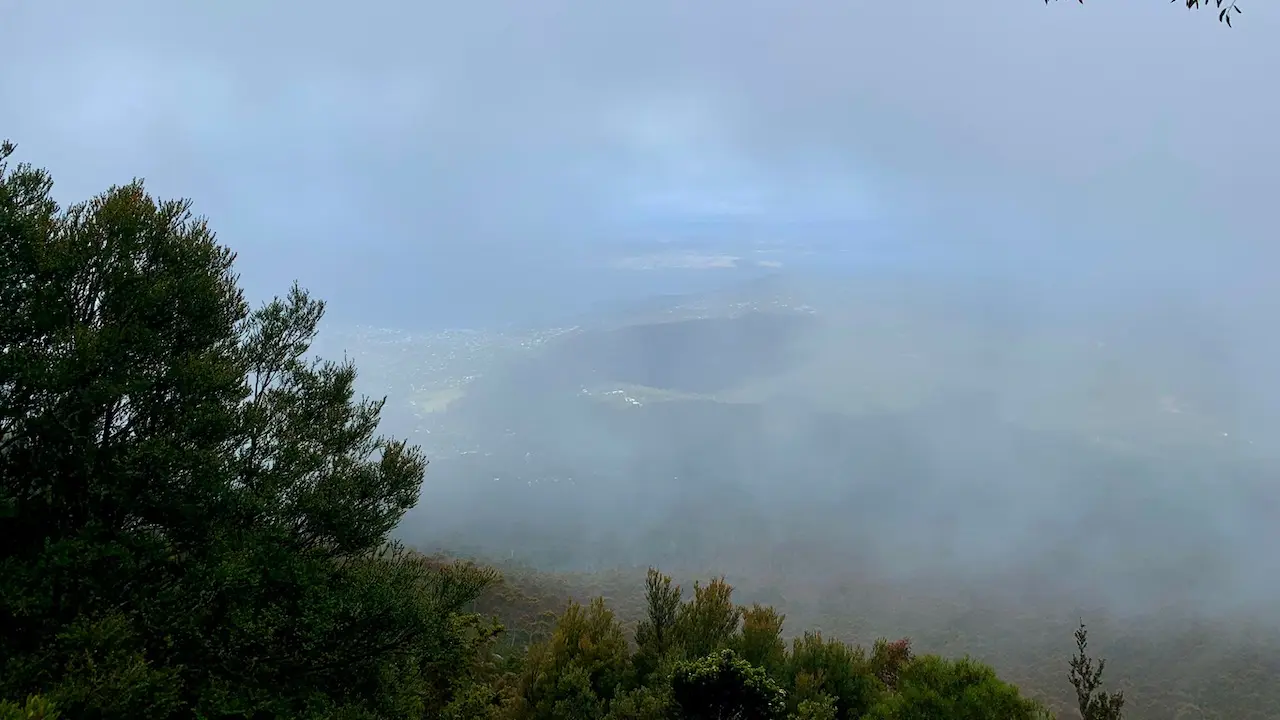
1026 256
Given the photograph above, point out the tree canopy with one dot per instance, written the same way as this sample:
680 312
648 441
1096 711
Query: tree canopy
195 514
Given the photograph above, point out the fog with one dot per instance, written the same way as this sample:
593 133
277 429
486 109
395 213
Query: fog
1041 454
1026 254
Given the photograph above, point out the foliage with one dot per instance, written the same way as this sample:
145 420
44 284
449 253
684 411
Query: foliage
933 687
1217 668
581 670
760 640
1086 678
709 620
724 686
641 703
195 515
578 670
820 707
656 634
888 660
818 666
35 708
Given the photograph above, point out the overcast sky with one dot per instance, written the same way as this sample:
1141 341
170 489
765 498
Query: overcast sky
363 148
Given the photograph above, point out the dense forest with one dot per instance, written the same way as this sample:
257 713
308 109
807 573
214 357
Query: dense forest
196 520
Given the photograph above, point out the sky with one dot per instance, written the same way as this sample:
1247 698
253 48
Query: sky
438 154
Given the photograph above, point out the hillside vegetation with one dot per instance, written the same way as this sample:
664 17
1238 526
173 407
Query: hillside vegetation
196 519
1169 667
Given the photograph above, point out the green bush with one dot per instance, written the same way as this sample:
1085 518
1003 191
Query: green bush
35 708
931 687
723 685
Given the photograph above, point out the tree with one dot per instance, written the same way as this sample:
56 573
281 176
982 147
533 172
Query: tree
820 707
760 640
708 621
1225 8
1093 702
932 687
723 686
819 666
195 515
888 659
579 667
656 634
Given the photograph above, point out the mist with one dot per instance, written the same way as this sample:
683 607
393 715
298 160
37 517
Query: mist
940 439
947 295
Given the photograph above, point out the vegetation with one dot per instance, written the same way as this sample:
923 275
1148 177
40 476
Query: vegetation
1225 8
195 516
196 523
704 657
1168 667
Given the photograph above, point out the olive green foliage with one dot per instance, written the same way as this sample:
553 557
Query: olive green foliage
821 707
195 514
1210 668
641 703
35 708
933 687
657 633
709 621
820 666
586 669
760 640
579 669
888 659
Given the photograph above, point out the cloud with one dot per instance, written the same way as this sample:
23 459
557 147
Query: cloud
678 261
417 142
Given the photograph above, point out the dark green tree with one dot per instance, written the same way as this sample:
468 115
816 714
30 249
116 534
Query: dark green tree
194 514
723 686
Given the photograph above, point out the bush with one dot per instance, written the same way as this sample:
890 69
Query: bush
723 685
932 687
